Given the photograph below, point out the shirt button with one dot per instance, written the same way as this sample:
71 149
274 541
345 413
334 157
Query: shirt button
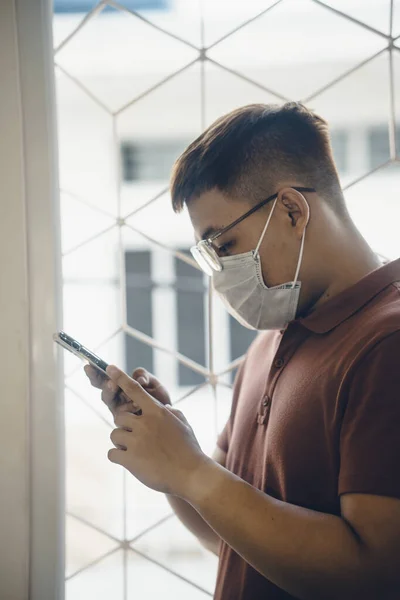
279 363
266 401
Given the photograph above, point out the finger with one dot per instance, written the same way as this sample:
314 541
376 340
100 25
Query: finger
179 414
112 387
96 378
151 385
131 388
158 391
147 380
101 382
123 405
141 376
112 399
125 420
117 456
120 437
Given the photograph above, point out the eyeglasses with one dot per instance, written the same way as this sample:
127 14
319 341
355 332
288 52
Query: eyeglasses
205 253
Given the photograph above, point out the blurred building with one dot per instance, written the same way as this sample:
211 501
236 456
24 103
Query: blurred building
133 90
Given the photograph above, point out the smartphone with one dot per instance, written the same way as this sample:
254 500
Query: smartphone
69 343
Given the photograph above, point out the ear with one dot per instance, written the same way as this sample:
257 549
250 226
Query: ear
296 207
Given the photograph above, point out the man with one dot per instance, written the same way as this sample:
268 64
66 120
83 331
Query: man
308 504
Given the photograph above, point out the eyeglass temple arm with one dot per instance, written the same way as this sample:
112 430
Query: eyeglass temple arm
252 210
240 219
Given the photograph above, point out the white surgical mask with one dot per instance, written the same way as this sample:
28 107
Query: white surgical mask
241 287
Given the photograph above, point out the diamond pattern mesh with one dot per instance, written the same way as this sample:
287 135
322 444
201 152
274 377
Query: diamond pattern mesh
167 74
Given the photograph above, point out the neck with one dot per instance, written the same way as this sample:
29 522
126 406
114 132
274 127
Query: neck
350 259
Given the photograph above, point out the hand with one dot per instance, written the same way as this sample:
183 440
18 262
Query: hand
115 399
158 447
152 385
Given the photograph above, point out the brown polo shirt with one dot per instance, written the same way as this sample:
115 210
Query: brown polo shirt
316 413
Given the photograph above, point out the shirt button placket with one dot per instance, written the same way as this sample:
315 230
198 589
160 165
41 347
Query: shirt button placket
263 415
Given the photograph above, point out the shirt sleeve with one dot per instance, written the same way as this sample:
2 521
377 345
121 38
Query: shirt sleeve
224 437
370 432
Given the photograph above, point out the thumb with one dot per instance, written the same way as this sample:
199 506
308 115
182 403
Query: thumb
179 414
132 389
141 376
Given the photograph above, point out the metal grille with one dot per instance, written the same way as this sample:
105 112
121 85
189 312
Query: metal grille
113 219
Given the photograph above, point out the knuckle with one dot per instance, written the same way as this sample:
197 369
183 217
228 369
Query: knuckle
123 420
133 385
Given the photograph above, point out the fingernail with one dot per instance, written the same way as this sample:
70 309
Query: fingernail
142 380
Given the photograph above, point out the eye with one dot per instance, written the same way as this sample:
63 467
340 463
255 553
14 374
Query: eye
224 248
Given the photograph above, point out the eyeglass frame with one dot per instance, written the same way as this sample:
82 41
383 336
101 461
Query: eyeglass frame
208 242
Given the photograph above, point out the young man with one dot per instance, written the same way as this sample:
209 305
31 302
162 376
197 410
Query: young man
308 504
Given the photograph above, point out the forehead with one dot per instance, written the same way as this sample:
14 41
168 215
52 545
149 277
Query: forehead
214 210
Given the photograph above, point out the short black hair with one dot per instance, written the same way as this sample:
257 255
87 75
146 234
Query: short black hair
251 150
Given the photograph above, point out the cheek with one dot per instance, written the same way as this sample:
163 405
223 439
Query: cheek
278 263
270 274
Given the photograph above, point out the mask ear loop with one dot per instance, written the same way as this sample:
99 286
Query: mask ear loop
264 230
301 249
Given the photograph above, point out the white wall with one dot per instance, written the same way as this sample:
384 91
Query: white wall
31 470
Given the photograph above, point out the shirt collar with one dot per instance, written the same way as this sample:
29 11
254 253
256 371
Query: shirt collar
346 303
